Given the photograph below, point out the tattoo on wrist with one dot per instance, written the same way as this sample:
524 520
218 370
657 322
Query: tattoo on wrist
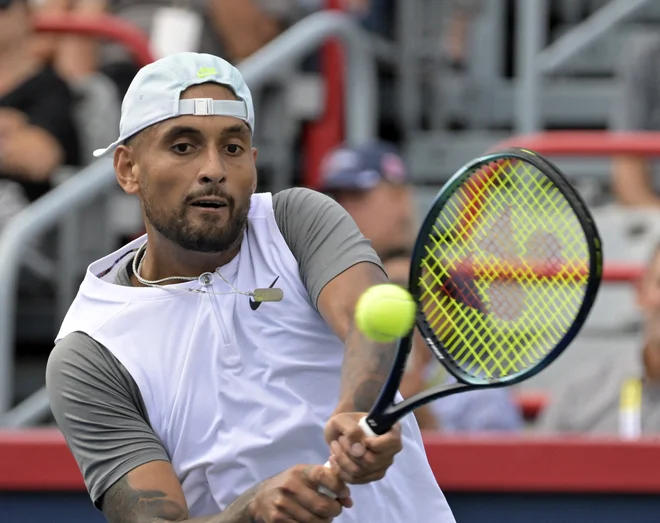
366 367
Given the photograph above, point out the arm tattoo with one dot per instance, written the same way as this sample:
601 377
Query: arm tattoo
364 371
124 504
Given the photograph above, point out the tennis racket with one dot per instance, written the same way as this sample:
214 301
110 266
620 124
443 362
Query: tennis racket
505 269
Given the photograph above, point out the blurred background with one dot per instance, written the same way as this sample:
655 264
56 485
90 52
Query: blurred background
410 90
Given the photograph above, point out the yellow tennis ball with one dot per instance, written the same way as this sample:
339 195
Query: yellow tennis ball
385 312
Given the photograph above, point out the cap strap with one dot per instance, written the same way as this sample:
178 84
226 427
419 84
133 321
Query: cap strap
209 106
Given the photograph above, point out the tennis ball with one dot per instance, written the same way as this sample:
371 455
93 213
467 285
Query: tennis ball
385 312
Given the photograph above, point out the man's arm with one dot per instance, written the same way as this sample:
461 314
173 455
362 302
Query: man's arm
366 363
100 411
151 493
337 264
18 144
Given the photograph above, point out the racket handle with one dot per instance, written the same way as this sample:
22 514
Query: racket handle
324 490
369 433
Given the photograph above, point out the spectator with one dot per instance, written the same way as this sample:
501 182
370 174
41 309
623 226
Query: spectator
483 410
462 16
37 129
371 183
620 396
227 28
637 109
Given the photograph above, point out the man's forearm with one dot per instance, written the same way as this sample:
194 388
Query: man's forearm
237 512
126 504
364 371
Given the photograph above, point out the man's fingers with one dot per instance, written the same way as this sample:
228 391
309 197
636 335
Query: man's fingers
351 472
302 507
345 462
316 476
310 505
347 427
344 447
359 478
388 443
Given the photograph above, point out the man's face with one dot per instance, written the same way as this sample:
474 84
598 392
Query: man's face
383 214
195 175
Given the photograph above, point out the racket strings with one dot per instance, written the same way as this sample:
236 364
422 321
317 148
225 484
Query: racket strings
505 270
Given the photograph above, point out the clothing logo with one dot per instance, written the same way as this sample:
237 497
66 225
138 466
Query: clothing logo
206 71
254 305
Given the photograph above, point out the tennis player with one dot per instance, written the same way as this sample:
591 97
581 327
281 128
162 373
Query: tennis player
209 368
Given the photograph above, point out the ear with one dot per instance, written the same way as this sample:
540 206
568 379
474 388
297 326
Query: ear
126 169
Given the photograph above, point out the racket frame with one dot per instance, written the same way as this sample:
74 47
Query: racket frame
385 413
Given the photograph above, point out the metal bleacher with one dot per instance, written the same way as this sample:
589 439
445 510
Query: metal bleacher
473 109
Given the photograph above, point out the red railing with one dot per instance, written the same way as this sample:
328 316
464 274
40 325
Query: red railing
101 26
39 460
321 136
588 143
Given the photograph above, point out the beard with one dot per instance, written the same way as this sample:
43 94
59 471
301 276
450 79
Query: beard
207 237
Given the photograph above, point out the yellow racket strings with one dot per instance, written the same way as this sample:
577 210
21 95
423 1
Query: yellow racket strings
505 271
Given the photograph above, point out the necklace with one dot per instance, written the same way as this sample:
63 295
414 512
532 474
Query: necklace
205 279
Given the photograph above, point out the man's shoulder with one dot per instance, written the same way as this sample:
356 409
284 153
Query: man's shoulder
299 195
76 346
75 342
297 207
78 354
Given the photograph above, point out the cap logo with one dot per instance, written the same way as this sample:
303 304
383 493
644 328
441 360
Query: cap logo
206 71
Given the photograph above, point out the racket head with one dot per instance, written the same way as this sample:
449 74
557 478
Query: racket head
505 269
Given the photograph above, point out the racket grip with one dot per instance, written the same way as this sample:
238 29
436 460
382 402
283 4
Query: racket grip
369 433
326 491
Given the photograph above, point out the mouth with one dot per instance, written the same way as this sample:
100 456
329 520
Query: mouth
210 203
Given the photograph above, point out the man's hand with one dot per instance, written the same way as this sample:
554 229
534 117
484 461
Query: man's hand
293 496
359 459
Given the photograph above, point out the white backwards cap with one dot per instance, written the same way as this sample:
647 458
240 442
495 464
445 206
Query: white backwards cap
155 92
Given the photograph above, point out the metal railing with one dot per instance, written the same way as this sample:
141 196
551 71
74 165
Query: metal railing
273 61
534 62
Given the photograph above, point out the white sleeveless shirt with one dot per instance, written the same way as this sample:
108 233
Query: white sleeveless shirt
238 395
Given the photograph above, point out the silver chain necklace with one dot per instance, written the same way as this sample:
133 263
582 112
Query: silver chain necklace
205 279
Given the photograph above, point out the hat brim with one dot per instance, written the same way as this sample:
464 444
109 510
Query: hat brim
100 153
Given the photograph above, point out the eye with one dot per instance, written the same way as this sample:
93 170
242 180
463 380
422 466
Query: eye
182 148
233 149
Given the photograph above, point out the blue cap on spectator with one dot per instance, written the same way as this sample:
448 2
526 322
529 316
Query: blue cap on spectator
155 92
362 168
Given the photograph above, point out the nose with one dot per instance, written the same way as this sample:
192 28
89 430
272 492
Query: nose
213 169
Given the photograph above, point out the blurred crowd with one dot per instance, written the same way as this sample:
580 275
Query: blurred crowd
59 91
56 90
